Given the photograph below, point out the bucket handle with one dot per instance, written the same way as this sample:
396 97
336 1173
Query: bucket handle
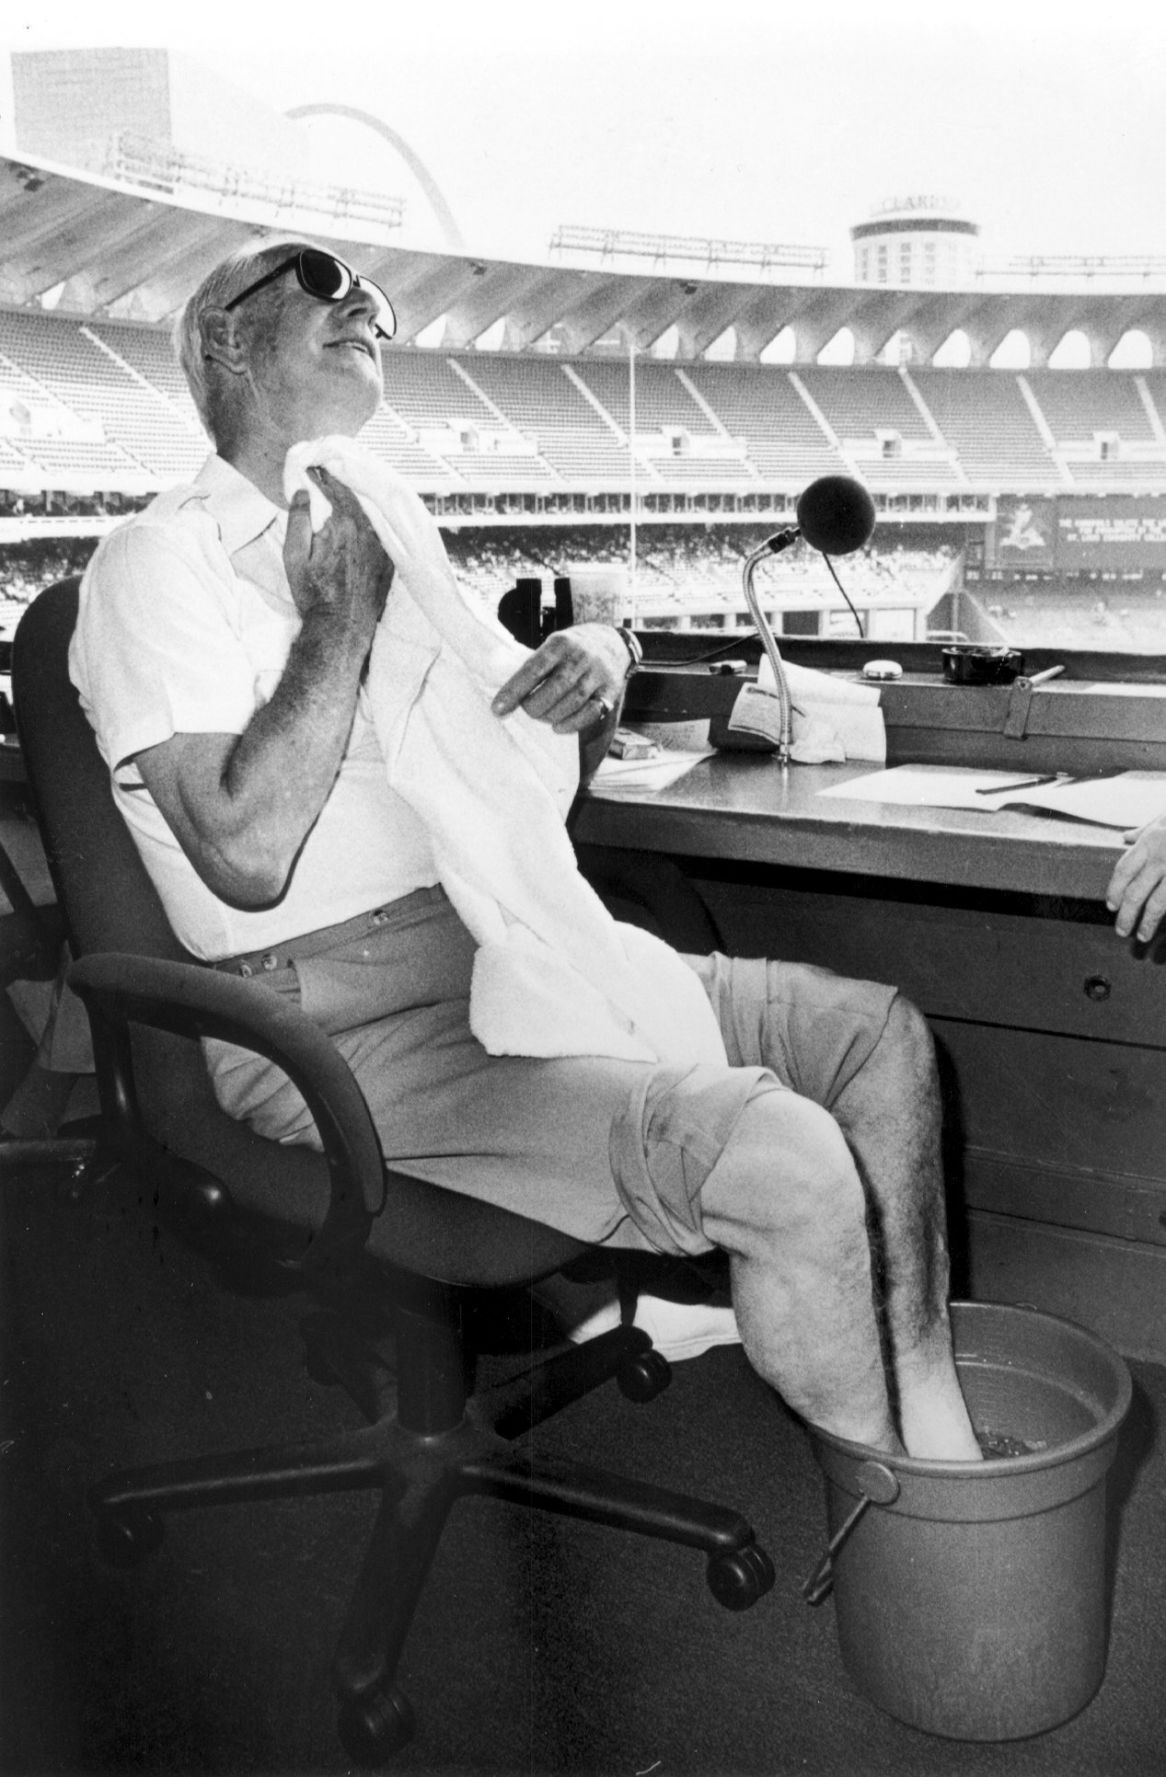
879 1486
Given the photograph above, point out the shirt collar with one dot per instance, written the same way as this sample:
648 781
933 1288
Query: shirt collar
241 512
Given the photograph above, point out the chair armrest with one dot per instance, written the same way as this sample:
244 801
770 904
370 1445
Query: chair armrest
190 1001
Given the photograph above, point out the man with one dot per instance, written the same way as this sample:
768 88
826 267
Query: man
222 652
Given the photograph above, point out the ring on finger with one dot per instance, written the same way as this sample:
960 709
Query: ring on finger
602 705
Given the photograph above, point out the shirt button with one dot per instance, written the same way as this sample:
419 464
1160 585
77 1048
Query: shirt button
245 969
270 962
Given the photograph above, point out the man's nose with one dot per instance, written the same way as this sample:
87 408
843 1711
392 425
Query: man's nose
359 302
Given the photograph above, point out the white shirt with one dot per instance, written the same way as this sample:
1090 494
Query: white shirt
185 623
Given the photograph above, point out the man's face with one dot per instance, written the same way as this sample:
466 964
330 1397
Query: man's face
314 367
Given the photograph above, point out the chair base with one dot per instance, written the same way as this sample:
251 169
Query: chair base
430 1449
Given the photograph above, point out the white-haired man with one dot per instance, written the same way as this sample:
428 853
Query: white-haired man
223 655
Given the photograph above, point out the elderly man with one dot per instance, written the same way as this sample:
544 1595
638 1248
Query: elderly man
228 653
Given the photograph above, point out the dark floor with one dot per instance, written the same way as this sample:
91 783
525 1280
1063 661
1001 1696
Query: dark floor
541 1645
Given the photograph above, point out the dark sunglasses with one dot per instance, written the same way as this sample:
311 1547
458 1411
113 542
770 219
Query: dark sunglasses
328 279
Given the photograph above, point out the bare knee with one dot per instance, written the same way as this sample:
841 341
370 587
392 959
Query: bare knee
786 1176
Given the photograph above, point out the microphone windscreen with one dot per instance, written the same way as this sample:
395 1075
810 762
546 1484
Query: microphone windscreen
836 515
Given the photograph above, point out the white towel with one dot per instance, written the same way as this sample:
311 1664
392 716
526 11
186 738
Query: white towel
554 973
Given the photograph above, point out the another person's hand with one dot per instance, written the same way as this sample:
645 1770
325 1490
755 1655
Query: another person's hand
574 681
341 567
1137 888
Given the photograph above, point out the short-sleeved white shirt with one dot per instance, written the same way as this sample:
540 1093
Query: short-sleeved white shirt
185 623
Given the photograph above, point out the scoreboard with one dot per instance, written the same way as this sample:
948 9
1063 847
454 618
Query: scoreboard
1075 534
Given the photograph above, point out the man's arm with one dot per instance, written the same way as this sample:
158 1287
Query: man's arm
242 805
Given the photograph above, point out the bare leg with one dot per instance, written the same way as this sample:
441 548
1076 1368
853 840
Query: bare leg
890 1115
785 1201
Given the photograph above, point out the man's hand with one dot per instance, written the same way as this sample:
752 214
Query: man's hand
573 681
1137 888
341 568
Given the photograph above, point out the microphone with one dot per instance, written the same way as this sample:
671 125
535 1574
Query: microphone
836 515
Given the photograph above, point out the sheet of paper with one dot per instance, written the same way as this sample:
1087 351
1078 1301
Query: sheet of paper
928 786
632 776
1128 799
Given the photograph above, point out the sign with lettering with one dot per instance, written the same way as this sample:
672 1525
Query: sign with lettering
1116 533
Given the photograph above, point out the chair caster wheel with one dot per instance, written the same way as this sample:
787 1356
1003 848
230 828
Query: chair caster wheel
373 1728
127 1535
740 1579
644 1376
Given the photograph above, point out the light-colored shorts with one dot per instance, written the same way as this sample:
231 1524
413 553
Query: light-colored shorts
605 1150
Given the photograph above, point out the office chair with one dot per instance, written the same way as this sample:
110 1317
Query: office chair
274 1217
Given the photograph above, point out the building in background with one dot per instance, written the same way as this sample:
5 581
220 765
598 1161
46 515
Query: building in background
910 241
79 107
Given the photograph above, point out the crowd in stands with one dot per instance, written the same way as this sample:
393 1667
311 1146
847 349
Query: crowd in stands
53 502
27 568
681 562
678 565
674 563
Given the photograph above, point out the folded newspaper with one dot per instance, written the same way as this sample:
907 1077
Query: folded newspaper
832 719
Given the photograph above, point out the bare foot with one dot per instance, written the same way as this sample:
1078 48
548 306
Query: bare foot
933 1416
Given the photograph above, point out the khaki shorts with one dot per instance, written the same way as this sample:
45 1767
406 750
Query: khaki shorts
605 1150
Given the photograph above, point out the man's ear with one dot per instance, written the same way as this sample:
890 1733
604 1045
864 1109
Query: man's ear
223 340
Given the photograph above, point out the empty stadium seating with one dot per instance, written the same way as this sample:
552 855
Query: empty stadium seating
1079 404
69 375
540 397
984 417
762 406
101 408
104 405
860 406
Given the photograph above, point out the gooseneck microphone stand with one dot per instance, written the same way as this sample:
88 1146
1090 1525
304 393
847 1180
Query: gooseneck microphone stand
774 545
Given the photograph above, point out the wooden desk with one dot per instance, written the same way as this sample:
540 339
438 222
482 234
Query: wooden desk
1051 1031
744 806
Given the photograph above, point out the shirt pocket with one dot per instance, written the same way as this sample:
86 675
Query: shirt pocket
267 640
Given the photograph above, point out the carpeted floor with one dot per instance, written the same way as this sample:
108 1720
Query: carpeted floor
541 1645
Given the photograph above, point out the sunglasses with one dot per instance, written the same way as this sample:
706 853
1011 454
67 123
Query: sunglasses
328 279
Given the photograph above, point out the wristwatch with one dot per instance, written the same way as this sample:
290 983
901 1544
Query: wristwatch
631 643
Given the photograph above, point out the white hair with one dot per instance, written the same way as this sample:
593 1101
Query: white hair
228 279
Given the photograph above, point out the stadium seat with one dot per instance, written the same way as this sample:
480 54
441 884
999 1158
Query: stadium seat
386 1258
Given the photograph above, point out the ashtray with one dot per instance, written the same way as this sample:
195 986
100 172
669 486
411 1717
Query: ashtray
978 663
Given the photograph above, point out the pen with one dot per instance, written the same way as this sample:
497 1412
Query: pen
1095 777
1026 783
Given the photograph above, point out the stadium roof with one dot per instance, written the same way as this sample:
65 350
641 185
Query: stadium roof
84 245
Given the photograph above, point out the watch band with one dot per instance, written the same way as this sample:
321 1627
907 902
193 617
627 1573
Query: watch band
631 643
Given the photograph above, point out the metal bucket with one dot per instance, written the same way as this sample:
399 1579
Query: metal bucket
972 1598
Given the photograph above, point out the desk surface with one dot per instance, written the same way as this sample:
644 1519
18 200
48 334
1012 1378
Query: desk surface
744 806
